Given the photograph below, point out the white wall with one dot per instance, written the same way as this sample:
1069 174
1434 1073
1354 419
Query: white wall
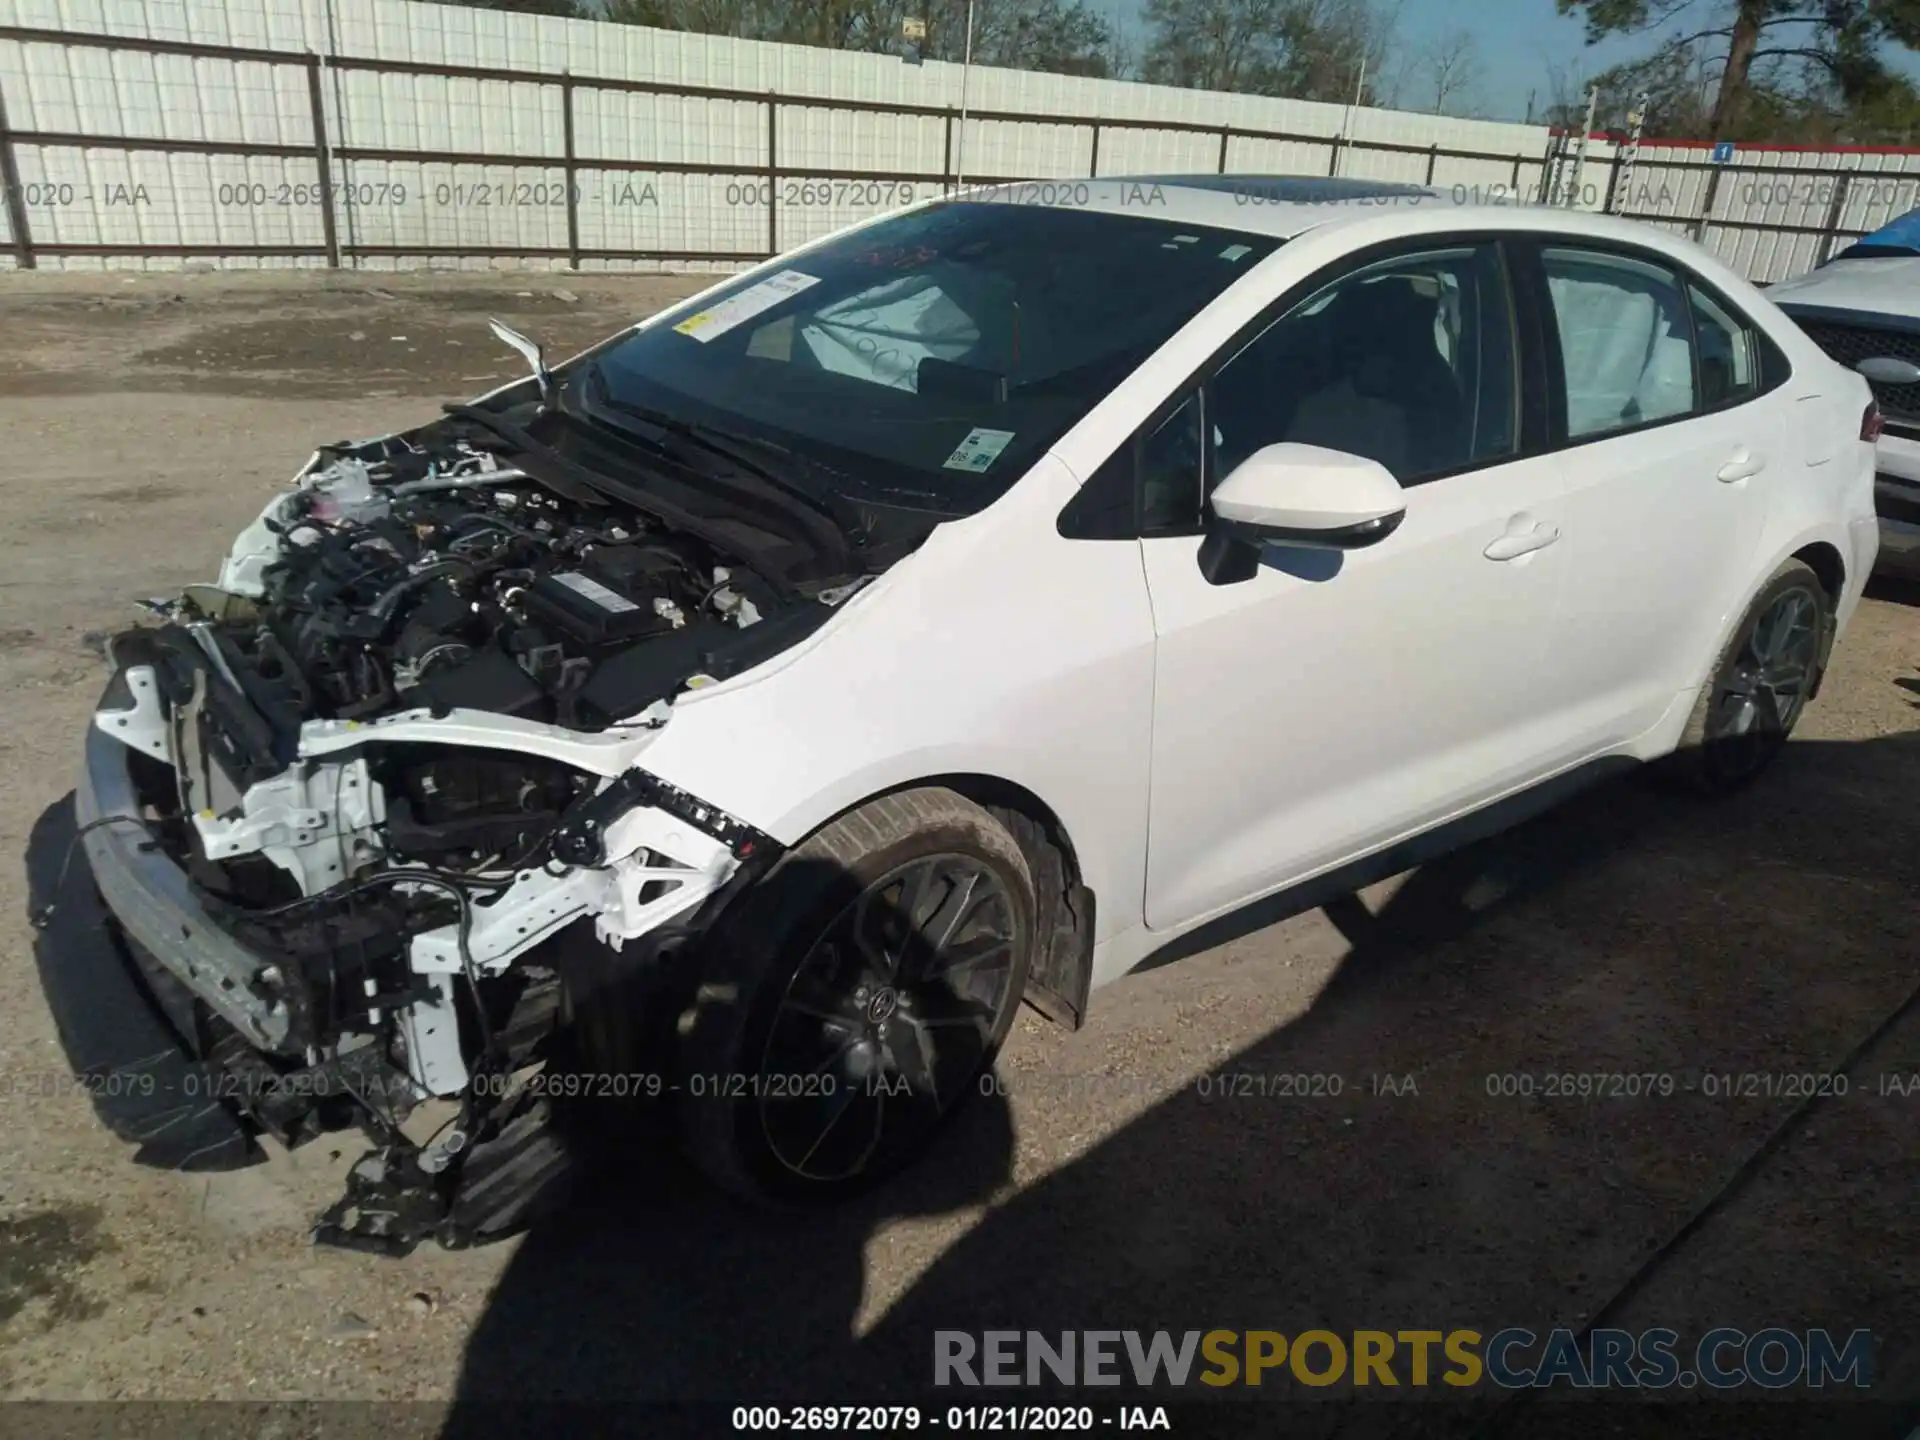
97 195
100 195
1762 201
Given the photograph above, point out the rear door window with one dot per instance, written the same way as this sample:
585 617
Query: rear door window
1626 340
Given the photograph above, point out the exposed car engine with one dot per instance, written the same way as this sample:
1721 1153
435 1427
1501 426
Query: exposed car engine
437 578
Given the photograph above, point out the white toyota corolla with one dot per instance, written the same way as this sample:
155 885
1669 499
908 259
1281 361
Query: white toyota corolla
752 711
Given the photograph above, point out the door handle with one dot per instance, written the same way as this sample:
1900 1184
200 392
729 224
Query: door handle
1514 544
1743 466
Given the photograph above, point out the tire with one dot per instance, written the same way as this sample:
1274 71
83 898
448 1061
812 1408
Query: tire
1741 720
821 1012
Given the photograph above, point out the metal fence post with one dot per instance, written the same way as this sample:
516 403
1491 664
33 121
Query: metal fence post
1549 171
773 175
323 163
1224 134
946 160
573 199
1837 207
1613 181
1706 210
1333 155
1093 165
1433 154
15 197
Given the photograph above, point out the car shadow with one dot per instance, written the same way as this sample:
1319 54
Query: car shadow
1627 932
1895 589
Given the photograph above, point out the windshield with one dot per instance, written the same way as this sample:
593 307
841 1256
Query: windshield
931 357
1896 237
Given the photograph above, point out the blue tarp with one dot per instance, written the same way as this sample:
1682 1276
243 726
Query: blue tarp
1904 231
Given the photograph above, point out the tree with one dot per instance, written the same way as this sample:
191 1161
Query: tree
1301 49
1770 53
1678 91
1060 36
1064 36
1453 71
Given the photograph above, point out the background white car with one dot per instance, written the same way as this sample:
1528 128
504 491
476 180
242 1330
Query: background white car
753 710
1863 308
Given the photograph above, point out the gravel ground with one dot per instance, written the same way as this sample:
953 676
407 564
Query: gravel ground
144 420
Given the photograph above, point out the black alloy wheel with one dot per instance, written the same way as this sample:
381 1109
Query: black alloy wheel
888 1019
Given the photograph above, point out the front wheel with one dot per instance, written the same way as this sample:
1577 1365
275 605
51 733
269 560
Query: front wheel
1760 684
850 1003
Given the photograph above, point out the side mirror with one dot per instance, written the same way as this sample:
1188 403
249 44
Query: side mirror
1298 495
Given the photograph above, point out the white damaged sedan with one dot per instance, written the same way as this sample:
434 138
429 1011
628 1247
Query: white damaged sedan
750 713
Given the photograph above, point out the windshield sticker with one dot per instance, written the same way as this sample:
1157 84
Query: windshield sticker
737 309
1234 252
979 450
897 257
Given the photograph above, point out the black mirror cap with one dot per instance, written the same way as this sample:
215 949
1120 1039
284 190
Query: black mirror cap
1230 550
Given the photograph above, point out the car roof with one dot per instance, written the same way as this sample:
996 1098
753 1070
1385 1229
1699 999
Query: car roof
1282 205
1285 206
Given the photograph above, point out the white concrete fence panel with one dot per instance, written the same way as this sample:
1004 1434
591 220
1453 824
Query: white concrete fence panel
387 133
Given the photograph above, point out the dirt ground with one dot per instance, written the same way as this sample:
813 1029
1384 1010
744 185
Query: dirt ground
143 420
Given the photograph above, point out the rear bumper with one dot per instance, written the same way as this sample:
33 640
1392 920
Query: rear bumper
125 1047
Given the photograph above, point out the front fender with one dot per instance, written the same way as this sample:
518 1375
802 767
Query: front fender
998 649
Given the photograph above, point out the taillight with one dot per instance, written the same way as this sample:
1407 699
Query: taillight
1871 423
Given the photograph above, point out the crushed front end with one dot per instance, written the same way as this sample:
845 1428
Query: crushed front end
364 813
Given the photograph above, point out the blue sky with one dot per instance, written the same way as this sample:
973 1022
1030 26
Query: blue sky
1517 40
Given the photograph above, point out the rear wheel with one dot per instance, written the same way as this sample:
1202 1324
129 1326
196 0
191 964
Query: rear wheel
849 1004
1761 683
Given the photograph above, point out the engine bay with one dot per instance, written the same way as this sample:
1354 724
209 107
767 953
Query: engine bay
433 576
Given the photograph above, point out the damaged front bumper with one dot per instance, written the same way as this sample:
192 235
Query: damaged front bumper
251 1037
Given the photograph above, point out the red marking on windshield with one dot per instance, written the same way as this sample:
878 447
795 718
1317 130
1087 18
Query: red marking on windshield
897 257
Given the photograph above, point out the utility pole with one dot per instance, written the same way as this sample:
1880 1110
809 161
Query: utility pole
966 70
1346 124
1636 126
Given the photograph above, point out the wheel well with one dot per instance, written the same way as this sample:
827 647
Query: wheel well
1826 564
1062 971
1831 571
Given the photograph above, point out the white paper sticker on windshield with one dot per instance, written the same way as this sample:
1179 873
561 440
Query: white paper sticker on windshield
979 450
1234 252
737 309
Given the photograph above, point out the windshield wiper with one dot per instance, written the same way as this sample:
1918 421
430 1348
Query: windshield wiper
555 470
735 450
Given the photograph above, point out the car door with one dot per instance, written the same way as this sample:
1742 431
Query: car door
1659 392
1338 700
